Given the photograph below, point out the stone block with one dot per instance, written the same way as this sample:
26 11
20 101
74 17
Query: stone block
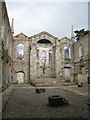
56 100
40 90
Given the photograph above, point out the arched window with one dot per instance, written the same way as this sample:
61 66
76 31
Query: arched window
7 39
3 26
81 50
66 52
10 49
50 55
21 51
43 56
37 55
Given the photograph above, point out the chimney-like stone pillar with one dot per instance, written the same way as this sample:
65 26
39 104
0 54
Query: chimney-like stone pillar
12 26
72 34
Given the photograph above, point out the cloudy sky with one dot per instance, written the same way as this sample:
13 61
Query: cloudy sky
53 16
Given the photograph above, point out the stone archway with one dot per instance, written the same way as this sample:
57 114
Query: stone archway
45 59
35 66
20 77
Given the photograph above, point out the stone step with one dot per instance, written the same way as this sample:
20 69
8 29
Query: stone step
51 82
44 85
68 83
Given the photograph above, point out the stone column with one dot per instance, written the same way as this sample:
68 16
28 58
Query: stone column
57 60
33 62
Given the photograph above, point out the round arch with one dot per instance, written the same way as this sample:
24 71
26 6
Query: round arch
20 76
45 41
20 50
20 71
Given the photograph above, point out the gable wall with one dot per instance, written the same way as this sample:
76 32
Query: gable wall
18 64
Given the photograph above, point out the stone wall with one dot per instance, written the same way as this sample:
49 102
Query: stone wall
0 45
28 68
32 62
63 69
48 67
21 65
66 65
80 62
6 44
82 79
35 69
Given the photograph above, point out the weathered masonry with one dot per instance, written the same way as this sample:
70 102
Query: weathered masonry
45 56
27 59
6 48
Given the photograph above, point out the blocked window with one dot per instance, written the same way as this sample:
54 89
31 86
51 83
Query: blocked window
50 55
67 72
21 51
66 52
43 56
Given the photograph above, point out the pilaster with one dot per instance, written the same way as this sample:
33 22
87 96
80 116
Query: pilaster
33 62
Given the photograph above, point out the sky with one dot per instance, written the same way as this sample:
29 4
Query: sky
53 16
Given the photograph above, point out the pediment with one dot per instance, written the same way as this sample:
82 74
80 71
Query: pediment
43 34
64 38
21 34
